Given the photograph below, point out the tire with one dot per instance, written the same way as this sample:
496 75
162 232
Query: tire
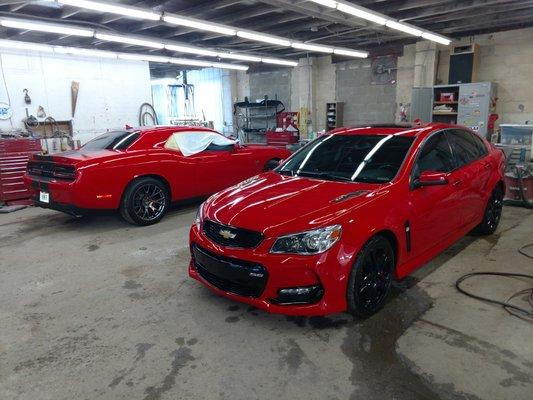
271 164
492 215
145 201
371 278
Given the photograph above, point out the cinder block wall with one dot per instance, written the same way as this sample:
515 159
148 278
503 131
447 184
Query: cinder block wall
506 58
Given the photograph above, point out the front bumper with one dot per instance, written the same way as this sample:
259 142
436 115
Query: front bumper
256 277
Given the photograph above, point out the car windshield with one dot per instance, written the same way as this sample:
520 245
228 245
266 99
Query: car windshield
352 158
117 140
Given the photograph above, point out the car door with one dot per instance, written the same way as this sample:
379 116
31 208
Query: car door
213 168
474 168
434 210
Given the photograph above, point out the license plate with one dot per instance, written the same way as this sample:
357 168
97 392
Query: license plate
44 197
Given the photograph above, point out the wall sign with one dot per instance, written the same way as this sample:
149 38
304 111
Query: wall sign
5 111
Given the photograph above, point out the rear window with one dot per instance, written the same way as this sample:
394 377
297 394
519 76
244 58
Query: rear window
117 140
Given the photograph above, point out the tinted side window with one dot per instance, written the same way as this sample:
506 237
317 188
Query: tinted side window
436 155
464 147
480 144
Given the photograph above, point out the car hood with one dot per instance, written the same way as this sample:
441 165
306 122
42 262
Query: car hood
275 204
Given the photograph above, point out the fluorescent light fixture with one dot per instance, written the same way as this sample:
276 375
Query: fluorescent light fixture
231 66
44 27
10 44
85 52
112 8
279 62
351 53
264 38
326 3
360 13
404 28
240 57
129 40
204 26
143 57
191 50
312 47
436 38
194 63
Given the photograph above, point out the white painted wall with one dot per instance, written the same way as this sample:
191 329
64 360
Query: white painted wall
111 91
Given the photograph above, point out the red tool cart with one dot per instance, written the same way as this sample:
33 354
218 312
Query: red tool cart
14 155
287 131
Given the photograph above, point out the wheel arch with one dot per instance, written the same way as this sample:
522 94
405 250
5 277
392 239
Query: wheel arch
390 236
160 178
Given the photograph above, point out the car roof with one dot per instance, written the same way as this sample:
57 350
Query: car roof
175 128
407 130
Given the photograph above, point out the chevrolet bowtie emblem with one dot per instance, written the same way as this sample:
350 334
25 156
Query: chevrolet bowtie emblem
227 234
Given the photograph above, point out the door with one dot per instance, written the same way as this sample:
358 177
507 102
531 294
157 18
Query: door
474 167
434 210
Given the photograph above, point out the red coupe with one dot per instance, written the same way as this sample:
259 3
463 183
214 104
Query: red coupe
141 171
329 229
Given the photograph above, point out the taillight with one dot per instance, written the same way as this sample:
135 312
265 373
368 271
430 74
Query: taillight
68 173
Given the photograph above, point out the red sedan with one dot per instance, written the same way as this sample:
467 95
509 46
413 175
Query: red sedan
329 229
141 171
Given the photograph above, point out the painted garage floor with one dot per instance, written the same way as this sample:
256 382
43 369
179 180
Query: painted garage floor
97 309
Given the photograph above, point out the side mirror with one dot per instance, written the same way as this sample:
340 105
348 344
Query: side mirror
430 178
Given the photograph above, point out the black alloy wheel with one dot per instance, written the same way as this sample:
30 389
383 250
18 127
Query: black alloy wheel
493 213
145 202
371 277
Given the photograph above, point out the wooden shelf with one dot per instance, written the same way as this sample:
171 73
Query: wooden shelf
444 113
445 102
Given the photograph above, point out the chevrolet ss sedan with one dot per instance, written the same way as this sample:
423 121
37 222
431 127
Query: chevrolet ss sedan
329 229
139 172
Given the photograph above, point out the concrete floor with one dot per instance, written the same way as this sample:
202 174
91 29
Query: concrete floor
98 309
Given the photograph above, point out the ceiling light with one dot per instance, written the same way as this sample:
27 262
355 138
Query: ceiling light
231 66
436 38
351 53
114 9
191 50
143 57
43 27
279 62
312 47
129 40
404 28
326 3
204 26
196 63
241 57
9 44
264 38
85 52
358 12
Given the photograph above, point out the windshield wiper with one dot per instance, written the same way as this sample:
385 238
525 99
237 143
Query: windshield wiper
324 175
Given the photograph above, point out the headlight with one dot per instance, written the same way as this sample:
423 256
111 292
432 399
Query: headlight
311 242
199 216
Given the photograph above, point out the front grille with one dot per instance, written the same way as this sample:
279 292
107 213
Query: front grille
231 237
240 277
51 170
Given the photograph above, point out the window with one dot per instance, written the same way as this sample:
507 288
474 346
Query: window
466 148
118 140
356 158
194 142
435 156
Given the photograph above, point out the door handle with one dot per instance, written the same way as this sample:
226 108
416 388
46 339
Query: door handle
458 183
486 165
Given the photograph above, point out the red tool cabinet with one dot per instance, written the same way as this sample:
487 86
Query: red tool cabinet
14 155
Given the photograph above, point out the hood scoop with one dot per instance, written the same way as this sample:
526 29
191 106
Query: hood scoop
350 195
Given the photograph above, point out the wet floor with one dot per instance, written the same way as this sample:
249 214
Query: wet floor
97 309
